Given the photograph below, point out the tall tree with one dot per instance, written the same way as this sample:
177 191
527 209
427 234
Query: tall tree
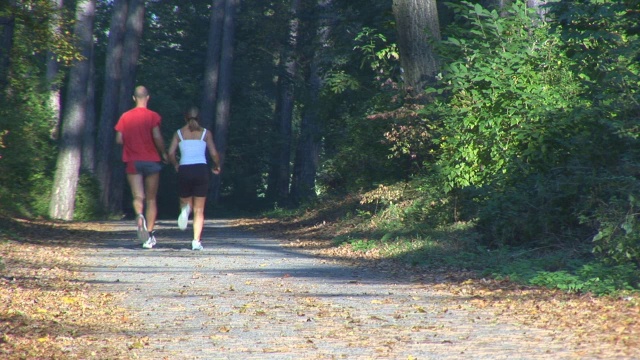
223 103
417 26
70 154
278 186
53 78
131 52
212 64
310 139
105 140
7 22
89 136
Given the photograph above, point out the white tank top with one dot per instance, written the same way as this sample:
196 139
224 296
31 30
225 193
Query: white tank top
192 151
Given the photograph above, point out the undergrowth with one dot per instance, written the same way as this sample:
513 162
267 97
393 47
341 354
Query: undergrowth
392 232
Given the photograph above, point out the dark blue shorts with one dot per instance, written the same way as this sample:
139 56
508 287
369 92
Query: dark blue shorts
143 167
193 180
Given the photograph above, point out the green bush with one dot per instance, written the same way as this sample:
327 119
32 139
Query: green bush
596 278
87 205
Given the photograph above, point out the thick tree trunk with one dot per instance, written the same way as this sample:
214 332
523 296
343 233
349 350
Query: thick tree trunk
109 111
278 186
309 143
89 136
223 103
69 157
133 35
310 139
496 4
417 24
7 24
212 65
53 78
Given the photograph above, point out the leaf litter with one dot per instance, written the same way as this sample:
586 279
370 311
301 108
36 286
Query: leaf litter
48 311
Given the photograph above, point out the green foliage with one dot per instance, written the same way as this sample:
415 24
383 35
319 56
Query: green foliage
26 121
595 278
87 205
377 52
35 23
521 124
603 40
29 152
415 201
40 194
619 231
510 92
362 245
338 82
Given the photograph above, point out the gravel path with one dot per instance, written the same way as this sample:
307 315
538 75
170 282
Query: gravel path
247 297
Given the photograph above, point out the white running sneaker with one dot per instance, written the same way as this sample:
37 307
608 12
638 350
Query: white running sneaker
196 245
183 219
143 232
150 243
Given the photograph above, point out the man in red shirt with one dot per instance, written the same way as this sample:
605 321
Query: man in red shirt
138 130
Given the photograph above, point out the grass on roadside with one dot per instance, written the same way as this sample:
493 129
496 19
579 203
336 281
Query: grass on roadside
386 232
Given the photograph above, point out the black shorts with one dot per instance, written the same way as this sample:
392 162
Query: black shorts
193 180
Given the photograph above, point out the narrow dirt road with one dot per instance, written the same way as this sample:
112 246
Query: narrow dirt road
248 297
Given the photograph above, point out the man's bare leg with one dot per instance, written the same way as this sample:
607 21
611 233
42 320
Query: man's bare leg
137 192
151 183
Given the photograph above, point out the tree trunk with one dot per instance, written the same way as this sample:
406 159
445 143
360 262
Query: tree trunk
308 149
89 136
538 5
69 157
6 42
53 74
109 111
223 103
496 4
310 139
278 187
132 37
212 65
417 24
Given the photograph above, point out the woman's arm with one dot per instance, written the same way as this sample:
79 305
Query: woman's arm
213 152
172 151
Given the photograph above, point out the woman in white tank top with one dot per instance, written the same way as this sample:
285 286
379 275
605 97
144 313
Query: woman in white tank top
193 172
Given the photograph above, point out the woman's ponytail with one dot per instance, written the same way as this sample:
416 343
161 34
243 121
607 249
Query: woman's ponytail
194 125
192 117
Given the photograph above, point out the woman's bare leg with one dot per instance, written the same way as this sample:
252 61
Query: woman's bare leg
186 201
198 216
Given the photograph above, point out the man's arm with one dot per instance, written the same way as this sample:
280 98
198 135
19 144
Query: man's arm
159 143
119 138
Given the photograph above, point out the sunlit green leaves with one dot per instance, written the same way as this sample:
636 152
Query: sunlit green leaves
502 96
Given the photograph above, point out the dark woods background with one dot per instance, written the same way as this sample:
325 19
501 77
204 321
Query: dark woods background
520 118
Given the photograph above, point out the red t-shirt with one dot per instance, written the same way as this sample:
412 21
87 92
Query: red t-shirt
136 127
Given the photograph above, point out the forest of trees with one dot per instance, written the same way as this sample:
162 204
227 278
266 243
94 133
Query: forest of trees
519 116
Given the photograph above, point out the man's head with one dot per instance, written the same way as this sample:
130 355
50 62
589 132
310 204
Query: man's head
141 95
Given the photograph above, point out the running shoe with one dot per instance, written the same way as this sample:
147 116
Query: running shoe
196 245
143 233
183 219
151 241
